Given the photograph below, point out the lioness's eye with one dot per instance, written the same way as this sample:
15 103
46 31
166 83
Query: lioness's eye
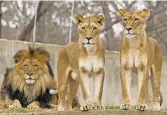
125 20
136 19
83 28
94 28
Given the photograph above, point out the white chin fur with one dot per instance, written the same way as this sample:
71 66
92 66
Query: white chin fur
130 36
88 45
30 81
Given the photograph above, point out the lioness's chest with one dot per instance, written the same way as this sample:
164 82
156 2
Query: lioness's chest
134 59
91 64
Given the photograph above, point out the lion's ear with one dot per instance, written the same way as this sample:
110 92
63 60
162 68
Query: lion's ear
78 18
122 12
144 13
17 56
100 19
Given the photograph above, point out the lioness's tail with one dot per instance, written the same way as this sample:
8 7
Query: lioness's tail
161 99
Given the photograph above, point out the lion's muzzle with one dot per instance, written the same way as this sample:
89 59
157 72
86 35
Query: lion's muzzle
30 81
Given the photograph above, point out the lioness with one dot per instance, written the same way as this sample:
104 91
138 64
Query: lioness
141 53
80 60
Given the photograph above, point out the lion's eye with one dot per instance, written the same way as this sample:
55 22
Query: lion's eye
25 65
83 28
35 65
94 28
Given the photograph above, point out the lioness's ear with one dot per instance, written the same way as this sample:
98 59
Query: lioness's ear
100 19
122 12
78 18
145 12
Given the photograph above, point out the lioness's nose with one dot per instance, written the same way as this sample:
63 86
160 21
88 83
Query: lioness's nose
30 74
128 29
88 38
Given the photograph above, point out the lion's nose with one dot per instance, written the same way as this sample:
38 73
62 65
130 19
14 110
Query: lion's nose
88 38
30 74
128 29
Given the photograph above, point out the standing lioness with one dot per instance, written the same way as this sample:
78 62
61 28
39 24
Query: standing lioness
140 53
80 60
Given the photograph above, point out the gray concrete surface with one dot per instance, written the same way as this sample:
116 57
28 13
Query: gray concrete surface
112 88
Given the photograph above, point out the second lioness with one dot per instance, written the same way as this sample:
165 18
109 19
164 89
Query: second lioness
80 60
143 54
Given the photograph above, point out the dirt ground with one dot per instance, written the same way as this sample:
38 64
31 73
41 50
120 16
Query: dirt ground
108 111
78 112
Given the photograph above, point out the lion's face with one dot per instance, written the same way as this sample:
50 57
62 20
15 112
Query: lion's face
32 70
134 21
89 29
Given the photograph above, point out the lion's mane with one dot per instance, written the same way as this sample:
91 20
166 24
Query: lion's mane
39 91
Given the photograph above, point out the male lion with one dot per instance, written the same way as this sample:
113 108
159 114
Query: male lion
142 54
53 91
29 82
78 61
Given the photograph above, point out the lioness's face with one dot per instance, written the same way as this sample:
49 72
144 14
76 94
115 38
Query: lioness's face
32 70
89 29
134 21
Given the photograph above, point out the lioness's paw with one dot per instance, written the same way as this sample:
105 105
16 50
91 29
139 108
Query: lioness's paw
33 106
86 107
125 106
156 106
141 107
16 104
98 107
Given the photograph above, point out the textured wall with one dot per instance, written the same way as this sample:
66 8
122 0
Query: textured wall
112 86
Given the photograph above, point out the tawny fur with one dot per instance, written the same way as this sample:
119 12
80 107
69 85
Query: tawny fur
55 97
142 54
77 61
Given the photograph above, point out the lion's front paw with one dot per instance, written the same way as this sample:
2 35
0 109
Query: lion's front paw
141 107
33 105
125 106
87 106
156 106
16 104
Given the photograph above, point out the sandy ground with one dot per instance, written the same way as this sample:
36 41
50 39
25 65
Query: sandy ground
77 112
108 111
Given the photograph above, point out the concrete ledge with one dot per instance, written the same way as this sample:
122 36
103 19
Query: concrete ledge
105 112
112 91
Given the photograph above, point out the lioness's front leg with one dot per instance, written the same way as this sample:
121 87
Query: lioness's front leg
99 80
85 91
142 88
125 82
